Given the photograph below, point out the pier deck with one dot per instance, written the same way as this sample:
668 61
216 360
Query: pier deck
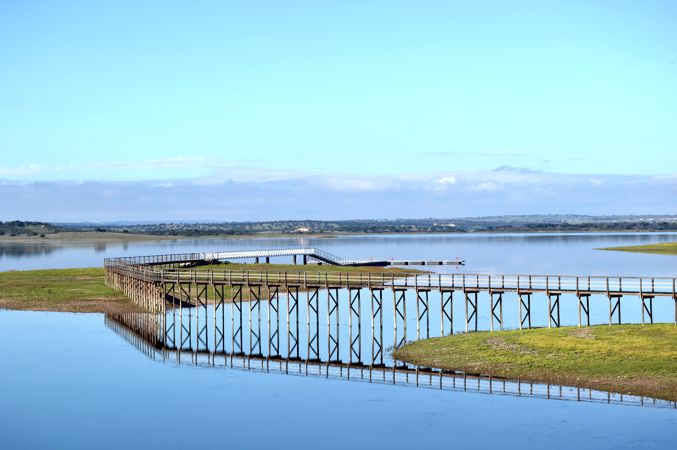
307 255
151 280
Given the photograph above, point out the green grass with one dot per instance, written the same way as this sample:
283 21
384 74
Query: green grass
80 290
84 290
56 285
665 248
632 359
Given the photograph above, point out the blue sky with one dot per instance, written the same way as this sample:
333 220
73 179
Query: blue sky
351 97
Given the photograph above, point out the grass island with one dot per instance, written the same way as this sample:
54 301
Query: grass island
663 248
629 359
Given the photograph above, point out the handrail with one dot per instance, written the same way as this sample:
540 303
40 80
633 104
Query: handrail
646 286
314 253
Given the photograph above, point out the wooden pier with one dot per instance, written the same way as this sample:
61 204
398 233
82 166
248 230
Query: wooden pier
304 255
152 283
350 320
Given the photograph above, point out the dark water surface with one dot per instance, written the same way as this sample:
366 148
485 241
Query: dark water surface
67 381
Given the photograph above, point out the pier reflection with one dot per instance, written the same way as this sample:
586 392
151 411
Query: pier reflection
147 333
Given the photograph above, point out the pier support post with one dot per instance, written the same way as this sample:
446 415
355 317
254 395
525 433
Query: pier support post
273 328
185 294
236 321
355 309
470 309
201 306
496 315
400 310
674 296
583 308
525 309
376 334
333 340
219 304
647 307
292 322
313 324
553 310
171 329
615 308
447 311
255 334
422 311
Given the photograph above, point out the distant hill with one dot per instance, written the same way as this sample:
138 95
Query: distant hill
23 228
530 223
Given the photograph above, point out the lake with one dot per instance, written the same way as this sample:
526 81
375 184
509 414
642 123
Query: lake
74 381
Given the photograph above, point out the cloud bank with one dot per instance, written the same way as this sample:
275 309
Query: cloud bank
504 191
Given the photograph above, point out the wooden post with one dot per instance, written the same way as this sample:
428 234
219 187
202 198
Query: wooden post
641 299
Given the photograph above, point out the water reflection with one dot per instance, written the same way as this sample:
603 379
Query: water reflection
16 250
146 333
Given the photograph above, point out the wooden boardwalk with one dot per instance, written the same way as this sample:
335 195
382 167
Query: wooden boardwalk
350 320
307 255
154 284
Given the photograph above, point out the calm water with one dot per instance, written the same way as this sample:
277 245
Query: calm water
569 254
68 381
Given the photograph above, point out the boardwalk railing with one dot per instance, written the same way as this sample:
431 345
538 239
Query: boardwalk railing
153 284
313 253
616 285
352 317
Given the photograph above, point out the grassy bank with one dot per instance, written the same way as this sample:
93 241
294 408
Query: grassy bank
71 290
665 248
631 359
84 290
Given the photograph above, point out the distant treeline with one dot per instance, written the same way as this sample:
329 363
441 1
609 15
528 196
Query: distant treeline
480 224
552 223
26 228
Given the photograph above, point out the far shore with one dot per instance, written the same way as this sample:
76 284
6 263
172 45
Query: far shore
84 237
89 237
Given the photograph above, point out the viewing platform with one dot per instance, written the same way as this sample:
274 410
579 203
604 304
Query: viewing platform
307 255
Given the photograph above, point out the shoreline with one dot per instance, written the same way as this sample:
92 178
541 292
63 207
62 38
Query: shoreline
83 290
61 290
93 237
629 359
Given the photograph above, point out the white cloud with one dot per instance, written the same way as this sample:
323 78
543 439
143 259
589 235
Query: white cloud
148 168
333 196
20 171
485 186
447 180
359 184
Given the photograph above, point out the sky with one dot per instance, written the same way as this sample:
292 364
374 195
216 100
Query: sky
262 110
